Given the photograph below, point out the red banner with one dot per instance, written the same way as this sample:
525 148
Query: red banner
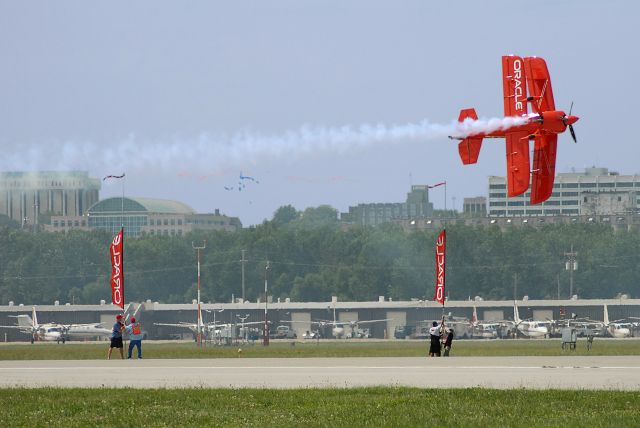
441 245
117 270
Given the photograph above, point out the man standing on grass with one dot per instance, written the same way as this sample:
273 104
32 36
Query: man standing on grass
435 333
116 337
447 343
135 337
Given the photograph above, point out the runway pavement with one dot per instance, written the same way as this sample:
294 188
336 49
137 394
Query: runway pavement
565 372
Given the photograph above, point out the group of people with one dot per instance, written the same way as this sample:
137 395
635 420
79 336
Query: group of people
437 332
135 337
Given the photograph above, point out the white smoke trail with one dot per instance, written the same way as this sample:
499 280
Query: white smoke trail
206 152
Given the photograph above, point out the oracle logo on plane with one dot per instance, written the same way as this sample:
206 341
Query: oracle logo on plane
518 89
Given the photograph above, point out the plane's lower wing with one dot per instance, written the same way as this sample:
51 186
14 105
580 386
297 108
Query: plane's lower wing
518 174
544 167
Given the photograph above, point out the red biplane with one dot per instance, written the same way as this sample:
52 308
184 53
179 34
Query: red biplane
542 126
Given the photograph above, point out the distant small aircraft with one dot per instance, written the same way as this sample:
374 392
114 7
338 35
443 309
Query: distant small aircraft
56 332
531 328
338 327
616 328
542 126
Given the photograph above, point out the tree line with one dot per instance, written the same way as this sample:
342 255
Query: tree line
312 257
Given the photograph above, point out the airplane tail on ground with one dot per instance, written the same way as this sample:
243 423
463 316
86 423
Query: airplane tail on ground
469 148
606 316
34 323
516 314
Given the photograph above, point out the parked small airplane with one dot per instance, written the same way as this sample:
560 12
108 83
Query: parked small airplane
208 330
616 328
338 327
56 332
531 328
542 126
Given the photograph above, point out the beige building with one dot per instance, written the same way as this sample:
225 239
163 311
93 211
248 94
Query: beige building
144 216
26 196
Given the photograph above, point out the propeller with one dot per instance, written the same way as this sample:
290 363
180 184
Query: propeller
564 119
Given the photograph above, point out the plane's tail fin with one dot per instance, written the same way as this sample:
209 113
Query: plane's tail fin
516 313
606 315
474 317
469 148
34 323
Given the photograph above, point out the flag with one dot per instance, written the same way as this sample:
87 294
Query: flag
117 269
440 266
113 176
444 183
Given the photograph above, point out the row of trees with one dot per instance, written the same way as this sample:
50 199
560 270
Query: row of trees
312 258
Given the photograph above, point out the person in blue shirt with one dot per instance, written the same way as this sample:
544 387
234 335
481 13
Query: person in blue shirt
135 337
116 337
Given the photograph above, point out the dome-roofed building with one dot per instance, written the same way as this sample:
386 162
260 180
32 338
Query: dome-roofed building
145 216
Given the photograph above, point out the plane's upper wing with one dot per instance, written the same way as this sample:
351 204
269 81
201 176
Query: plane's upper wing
517 162
544 167
539 84
514 86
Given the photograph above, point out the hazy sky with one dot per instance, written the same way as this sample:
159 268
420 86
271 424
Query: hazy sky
183 96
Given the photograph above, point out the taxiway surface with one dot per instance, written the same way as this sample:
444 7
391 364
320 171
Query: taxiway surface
566 372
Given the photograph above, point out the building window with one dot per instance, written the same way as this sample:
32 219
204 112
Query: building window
166 222
607 184
570 211
179 222
569 193
570 185
498 186
516 203
497 195
552 212
587 185
173 222
625 184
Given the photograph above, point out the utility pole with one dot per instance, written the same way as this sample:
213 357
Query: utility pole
198 249
571 264
265 337
242 261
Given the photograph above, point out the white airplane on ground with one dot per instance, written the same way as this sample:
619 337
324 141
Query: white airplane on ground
208 330
56 332
530 328
338 327
615 328
489 330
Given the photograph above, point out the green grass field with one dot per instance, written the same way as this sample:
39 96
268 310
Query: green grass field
347 348
358 407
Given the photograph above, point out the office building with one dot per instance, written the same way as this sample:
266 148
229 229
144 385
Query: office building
596 191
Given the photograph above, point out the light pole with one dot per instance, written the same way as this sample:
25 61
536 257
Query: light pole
571 265
242 262
265 337
198 248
